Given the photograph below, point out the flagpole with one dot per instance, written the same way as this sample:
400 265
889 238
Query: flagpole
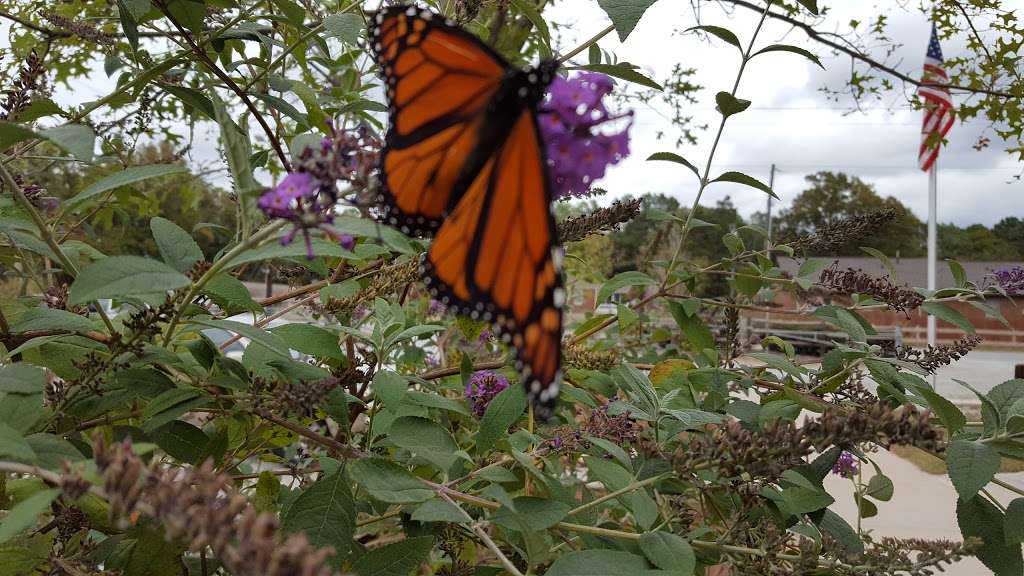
932 241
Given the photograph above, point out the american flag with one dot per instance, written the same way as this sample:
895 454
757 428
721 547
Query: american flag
938 105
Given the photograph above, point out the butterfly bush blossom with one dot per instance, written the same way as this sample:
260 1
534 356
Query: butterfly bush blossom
1011 279
483 386
571 120
306 197
846 465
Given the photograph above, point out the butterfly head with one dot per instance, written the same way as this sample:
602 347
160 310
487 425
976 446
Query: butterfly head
533 80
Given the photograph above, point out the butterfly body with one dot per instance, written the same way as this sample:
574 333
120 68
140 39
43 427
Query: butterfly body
463 162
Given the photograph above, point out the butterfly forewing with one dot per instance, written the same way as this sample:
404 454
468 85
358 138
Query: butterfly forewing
439 81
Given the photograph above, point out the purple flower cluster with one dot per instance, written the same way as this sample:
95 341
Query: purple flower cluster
578 153
846 465
436 308
307 196
1011 279
483 386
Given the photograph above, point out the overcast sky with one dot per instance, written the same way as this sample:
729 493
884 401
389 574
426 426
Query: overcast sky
791 123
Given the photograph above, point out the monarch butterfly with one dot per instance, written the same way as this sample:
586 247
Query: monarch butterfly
463 162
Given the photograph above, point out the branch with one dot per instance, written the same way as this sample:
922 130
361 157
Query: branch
860 56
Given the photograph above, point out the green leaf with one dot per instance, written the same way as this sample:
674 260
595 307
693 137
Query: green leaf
535 18
503 411
14 446
997 404
810 5
78 139
812 266
952 418
52 451
625 14
24 515
192 98
889 266
390 388
230 294
803 500
169 405
669 552
624 71
693 418
388 482
397 559
271 342
276 250
11 134
1014 526
237 152
741 178
426 439
268 490
325 512
615 477
971 466
880 487
673 157
943 312
177 248
438 510
842 532
51 319
22 379
123 276
124 178
696 332
181 440
794 49
597 563
729 105
979 518
530 514
345 27
310 339
723 33
622 280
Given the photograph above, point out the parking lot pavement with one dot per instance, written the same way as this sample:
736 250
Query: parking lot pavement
982 369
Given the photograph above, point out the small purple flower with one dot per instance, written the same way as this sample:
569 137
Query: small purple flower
281 201
483 386
846 466
485 336
307 196
1011 279
578 153
436 308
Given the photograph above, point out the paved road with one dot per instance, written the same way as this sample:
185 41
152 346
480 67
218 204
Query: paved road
982 369
923 506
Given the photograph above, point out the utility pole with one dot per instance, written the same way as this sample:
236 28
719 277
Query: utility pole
771 184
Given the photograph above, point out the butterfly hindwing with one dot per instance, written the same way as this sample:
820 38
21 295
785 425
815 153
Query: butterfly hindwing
495 256
439 81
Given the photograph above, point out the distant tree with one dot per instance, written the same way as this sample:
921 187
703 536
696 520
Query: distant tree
836 196
644 236
976 242
120 224
1011 229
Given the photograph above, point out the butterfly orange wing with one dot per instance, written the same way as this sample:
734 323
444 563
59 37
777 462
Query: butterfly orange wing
439 81
496 257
